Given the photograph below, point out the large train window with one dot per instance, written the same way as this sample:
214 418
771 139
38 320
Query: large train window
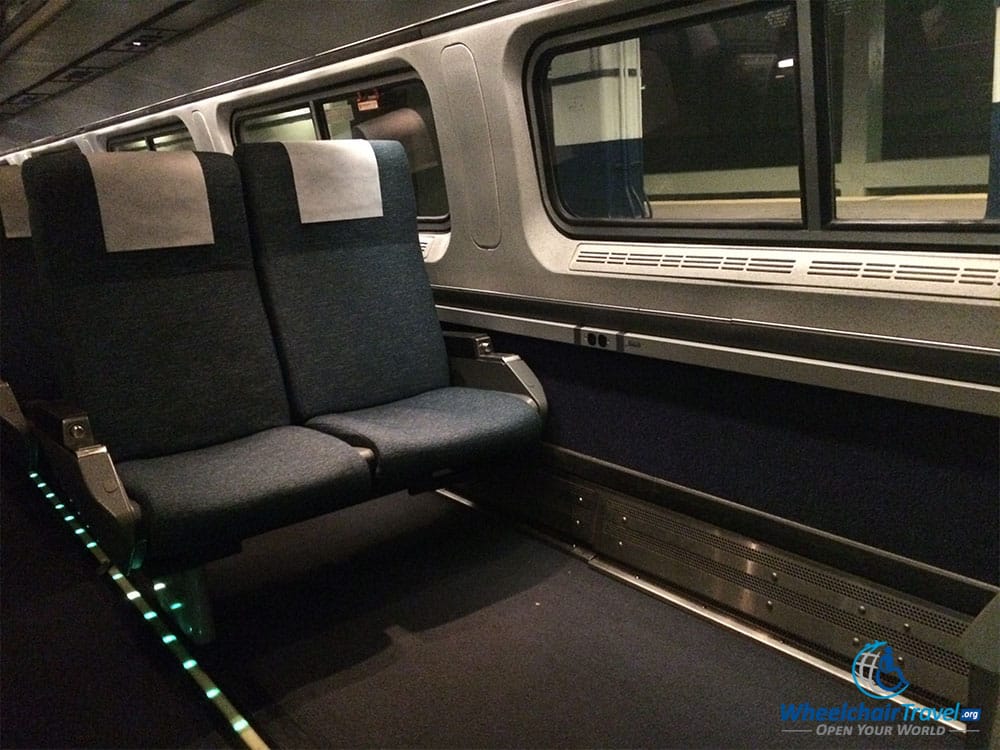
689 121
910 102
170 138
397 110
860 119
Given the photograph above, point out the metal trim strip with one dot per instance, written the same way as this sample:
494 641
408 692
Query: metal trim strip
959 395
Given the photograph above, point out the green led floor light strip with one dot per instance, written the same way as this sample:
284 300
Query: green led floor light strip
240 725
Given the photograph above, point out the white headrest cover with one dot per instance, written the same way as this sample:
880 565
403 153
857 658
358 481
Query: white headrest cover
13 203
335 180
152 200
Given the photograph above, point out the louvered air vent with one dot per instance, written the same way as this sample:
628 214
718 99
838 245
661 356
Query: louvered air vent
433 245
951 275
596 257
980 274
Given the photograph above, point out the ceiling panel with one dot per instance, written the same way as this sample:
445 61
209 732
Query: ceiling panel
83 26
257 35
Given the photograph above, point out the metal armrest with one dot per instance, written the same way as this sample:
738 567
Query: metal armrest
85 470
10 410
467 344
474 364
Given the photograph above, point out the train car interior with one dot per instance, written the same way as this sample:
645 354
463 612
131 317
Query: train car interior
500 373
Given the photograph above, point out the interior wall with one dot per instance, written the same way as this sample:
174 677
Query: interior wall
914 480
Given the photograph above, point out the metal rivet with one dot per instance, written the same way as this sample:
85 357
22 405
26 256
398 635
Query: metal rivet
901 659
77 431
906 626
577 522
580 500
621 544
862 608
770 604
774 576
856 641
624 519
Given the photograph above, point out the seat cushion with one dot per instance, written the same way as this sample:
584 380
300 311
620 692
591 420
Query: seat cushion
212 498
440 429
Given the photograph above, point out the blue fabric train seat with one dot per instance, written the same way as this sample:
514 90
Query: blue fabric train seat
25 362
163 339
335 236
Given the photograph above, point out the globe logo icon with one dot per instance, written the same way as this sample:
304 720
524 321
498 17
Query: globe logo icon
876 673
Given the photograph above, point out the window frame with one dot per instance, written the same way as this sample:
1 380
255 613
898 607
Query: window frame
316 98
176 127
819 226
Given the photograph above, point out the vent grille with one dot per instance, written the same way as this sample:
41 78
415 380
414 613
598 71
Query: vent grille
433 245
980 274
959 276
653 259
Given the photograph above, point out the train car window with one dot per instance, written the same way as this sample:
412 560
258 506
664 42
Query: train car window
171 138
398 111
691 121
911 92
181 141
292 125
339 116
138 144
66 148
854 120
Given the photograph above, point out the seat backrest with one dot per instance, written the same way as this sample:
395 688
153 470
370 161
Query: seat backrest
335 235
161 332
25 362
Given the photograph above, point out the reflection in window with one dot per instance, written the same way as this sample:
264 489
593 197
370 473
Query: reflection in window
294 125
397 112
694 121
139 144
911 92
174 138
179 141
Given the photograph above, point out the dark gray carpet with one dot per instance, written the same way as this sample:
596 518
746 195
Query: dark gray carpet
78 667
415 622
405 622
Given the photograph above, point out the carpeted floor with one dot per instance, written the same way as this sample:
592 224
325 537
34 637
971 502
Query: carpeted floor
405 622
416 622
78 667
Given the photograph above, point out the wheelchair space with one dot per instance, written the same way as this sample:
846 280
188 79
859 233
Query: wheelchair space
401 622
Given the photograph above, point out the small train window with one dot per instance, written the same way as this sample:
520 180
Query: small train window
399 111
171 138
291 125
